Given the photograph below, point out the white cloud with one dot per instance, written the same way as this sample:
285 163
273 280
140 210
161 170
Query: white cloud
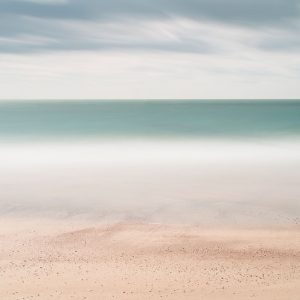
107 75
131 58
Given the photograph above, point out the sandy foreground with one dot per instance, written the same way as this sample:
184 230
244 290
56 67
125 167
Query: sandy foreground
82 260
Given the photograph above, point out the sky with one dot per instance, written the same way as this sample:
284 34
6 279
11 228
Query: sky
149 49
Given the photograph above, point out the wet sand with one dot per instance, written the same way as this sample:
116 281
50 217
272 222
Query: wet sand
45 259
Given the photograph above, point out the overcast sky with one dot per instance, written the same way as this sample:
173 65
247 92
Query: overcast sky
149 49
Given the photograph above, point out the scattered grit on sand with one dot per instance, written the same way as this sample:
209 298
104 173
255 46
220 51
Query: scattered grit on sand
60 260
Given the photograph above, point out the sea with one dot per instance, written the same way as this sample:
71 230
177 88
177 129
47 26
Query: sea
233 162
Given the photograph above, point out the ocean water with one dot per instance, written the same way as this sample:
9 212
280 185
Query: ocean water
216 162
149 119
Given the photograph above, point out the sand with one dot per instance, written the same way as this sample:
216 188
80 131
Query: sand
46 259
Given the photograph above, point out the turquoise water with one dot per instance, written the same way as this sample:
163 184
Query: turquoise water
195 119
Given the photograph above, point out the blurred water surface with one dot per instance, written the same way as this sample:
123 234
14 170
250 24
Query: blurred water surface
216 162
147 119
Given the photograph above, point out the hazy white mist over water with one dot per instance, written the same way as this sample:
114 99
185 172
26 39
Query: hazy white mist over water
176 181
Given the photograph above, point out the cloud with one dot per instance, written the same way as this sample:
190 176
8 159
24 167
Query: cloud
31 26
280 40
42 35
250 11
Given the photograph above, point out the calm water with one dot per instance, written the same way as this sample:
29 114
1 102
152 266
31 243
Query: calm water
193 119
220 162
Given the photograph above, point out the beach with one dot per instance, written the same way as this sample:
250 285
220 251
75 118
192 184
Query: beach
64 259
147 200
149 150
214 228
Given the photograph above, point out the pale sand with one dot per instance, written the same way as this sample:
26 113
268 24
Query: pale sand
64 260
